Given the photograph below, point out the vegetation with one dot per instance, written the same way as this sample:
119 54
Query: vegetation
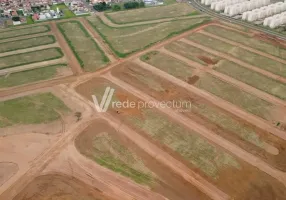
30 57
151 13
101 6
105 149
126 40
24 31
86 50
211 84
116 7
133 4
33 109
67 12
26 43
30 76
29 20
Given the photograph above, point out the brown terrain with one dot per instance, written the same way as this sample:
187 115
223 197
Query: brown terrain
60 160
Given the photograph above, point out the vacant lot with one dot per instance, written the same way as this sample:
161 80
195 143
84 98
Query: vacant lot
34 75
59 187
7 170
99 143
33 109
67 12
242 54
24 31
30 57
127 40
252 78
203 112
192 53
213 85
26 43
88 53
253 42
152 13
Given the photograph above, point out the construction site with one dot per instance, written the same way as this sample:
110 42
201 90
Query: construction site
65 133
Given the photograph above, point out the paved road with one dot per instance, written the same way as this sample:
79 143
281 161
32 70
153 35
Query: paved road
197 5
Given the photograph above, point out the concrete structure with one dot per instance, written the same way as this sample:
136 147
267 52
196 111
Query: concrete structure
275 21
221 5
240 8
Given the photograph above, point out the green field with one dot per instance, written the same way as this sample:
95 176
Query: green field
104 148
241 54
24 31
247 40
211 84
252 78
192 53
30 76
33 109
126 40
26 43
30 57
86 50
67 13
151 13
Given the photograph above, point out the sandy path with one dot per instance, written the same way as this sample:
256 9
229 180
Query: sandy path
216 100
26 37
72 61
243 47
204 132
98 40
239 84
29 49
166 159
110 23
32 66
235 60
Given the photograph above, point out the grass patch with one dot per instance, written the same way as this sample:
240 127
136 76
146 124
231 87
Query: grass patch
67 12
252 78
213 85
107 151
247 40
30 76
192 53
33 109
150 13
30 57
241 54
30 20
127 40
24 31
26 43
86 50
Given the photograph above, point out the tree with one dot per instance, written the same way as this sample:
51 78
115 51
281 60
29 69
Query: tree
141 4
16 18
101 6
116 7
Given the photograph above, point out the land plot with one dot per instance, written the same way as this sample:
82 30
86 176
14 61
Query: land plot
254 59
30 57
153 13
192 53
252 139
229 68
103 144
211 84
67 12
238 179
86 50
33 109
126 40
26 43
252 78
24 31
34 75
59 187
269 47
7 170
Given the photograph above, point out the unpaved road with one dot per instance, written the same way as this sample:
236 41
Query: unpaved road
72 61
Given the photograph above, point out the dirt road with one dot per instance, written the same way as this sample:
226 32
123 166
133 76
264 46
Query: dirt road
72 61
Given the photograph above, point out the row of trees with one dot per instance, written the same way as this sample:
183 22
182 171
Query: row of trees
102 6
